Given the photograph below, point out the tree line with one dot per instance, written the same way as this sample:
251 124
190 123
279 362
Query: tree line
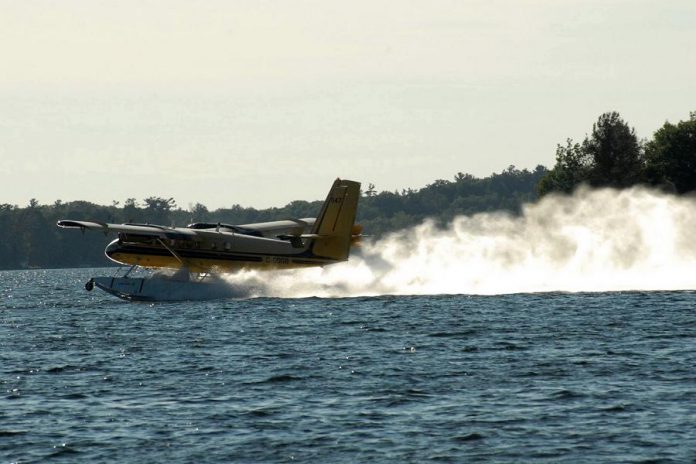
611 155
30 238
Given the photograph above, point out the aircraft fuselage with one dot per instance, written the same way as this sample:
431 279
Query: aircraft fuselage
214 251
220 248
217 247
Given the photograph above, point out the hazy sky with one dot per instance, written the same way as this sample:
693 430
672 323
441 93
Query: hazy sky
261 102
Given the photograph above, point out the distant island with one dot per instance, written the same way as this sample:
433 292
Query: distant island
610 156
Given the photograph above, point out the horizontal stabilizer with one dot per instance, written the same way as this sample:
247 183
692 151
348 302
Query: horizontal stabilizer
291 236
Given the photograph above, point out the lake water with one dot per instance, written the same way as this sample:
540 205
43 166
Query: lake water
554 377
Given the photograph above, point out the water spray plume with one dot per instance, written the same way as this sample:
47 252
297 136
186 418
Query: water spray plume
594 240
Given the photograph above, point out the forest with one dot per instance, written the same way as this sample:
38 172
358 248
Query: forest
611 155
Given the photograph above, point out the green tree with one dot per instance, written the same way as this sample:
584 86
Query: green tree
38 236
611 156
671 156
616 153
573 166
131 211
371 191
199 213
157 210
11 254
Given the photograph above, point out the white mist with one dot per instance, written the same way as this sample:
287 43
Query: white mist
594 240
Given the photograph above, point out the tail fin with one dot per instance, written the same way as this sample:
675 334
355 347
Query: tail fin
334 225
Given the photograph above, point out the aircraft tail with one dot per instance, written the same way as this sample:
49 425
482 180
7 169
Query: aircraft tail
334 225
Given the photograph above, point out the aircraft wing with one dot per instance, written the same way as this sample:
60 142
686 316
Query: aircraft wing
139 229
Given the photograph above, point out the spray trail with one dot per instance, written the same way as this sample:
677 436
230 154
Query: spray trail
594 240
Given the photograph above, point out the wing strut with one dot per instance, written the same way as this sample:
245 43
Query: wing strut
169 249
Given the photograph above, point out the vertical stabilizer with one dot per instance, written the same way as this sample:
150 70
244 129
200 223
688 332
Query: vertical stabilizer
334 225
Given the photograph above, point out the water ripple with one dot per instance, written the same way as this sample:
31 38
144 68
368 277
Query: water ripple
518 378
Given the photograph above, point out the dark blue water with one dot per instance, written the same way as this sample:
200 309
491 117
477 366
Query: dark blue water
554 378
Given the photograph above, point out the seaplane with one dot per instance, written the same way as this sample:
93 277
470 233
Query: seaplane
190 260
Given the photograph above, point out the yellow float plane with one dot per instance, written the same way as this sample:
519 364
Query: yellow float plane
213 248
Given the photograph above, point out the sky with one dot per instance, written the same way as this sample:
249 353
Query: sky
259 103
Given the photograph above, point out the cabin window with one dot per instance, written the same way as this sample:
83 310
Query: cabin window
227 246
